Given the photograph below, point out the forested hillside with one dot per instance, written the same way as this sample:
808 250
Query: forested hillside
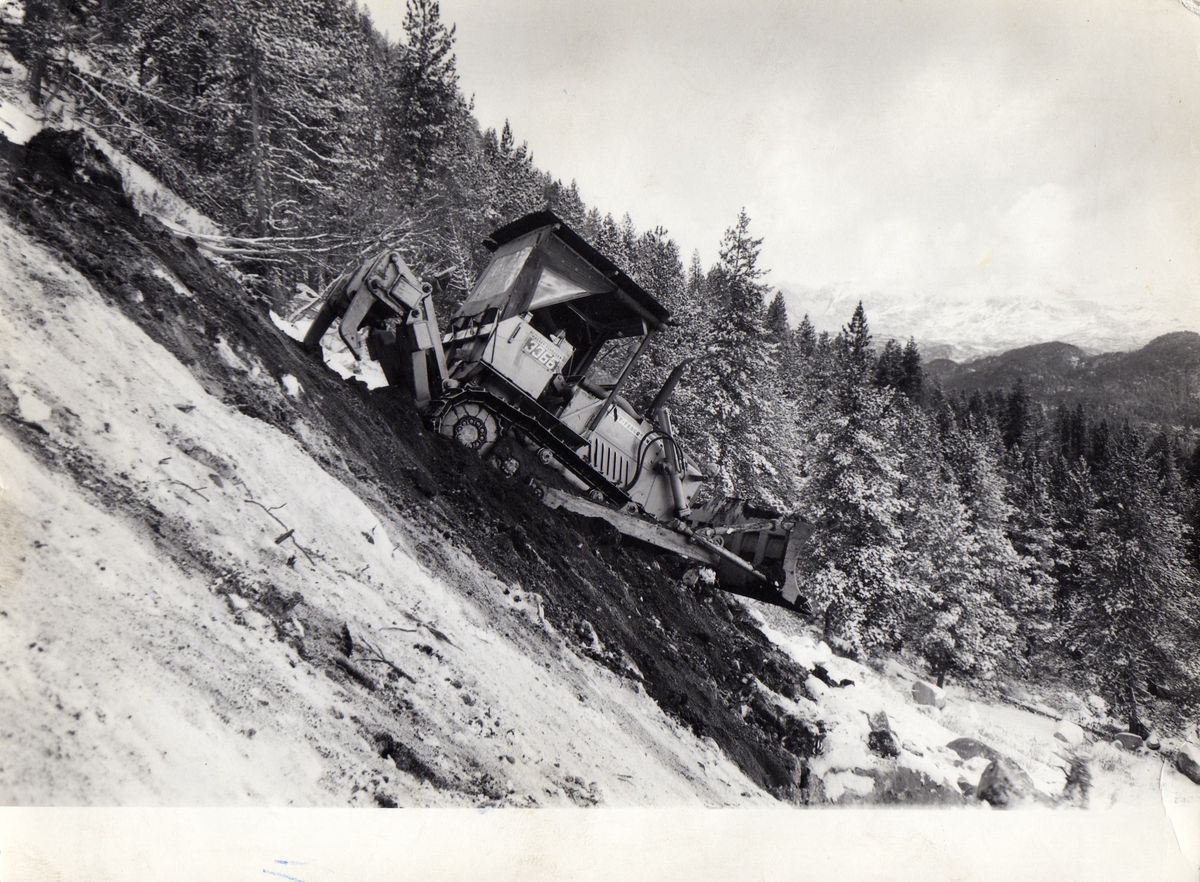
988 534
1158 383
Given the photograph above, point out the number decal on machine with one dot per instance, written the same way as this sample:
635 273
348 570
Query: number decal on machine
541 353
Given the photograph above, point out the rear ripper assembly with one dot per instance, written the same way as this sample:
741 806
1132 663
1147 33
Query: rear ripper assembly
518 369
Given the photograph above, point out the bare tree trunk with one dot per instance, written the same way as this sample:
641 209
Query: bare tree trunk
37 73
257 147
1135 724
36 37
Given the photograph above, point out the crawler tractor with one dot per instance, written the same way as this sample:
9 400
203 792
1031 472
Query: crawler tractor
516 372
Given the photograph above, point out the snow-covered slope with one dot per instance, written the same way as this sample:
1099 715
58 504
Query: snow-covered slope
851 773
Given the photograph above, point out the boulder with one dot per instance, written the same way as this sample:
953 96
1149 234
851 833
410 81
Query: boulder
1187 761
1128 740
822 674
969 748
882 739
883 742
1069 733
1004 784
906 786
928 694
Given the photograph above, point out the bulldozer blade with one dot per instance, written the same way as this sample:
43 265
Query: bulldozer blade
790 589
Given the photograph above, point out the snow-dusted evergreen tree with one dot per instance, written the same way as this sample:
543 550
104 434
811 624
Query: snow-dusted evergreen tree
1037 543
1133 620
611 243
974 456
854 565
422 95
516 184
955 620
566 202
806 337
912 383
889 367
725 404
779 329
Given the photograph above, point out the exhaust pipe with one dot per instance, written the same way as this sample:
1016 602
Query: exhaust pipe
668 388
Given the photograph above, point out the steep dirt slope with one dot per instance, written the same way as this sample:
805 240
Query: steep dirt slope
230 576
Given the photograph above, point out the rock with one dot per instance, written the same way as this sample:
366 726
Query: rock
1128 740
587 633
967 788
906 786
237 603
1004 784
822 674
882 739
928 694
1154 740
1187 761
1069 733
969 748
883 742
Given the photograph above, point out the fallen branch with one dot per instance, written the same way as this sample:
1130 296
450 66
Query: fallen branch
289 534
195 490
378 657
355 674
437 634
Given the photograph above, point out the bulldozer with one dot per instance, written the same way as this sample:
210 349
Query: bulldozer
516 377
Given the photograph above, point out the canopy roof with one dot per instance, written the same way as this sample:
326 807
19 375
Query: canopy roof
541 262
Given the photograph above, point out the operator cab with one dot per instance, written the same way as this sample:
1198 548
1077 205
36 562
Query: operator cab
550 295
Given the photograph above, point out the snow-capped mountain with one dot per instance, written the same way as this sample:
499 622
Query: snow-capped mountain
957 327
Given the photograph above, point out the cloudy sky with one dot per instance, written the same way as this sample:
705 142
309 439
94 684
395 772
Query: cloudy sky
982 148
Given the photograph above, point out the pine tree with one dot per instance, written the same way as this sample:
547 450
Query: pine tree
955 619
727 404
1132 621
889 367
855 341
913 382
853 563
1016 415
778 327
806 337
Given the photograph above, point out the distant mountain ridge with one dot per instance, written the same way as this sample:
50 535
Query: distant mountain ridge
1160 382
961 328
